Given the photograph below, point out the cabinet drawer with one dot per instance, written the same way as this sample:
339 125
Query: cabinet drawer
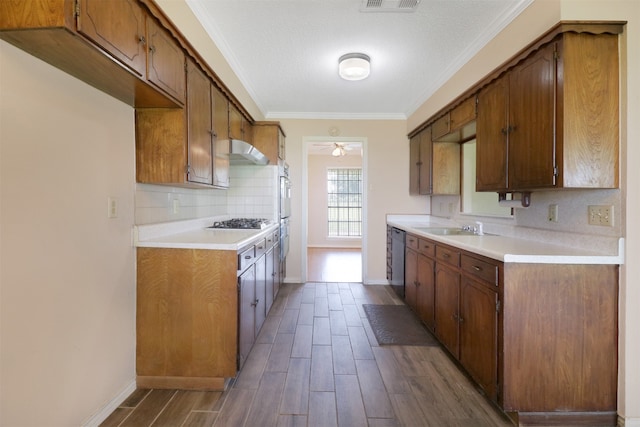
426 247
272 239
411 242
481 269
261 248
246 257
448 255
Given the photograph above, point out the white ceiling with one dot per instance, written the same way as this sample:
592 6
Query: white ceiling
286 52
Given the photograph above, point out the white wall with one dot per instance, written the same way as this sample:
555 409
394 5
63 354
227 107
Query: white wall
540 16
317 166
67 312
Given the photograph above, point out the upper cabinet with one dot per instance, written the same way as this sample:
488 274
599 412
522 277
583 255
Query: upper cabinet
457 124
552 120
185 147
126 41
115 46
434 167
269 138
546 119
166 62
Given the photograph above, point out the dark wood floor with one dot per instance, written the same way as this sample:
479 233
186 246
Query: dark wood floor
317 363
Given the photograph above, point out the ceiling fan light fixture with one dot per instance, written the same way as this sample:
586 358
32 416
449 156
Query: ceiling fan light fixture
338 151
354 66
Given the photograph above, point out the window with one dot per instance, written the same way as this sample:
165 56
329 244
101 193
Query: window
344 202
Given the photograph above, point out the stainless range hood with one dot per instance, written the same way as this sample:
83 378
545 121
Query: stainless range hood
243 153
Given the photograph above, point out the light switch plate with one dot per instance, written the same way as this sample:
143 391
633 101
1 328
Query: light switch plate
112 207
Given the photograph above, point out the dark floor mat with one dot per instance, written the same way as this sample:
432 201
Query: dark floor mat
397 325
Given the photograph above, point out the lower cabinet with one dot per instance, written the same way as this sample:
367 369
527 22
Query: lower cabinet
246 314
538 339
197 318
419 279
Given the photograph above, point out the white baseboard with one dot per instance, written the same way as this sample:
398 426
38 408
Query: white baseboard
96 419
628 422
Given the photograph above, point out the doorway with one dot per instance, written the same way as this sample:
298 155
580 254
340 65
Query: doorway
334 237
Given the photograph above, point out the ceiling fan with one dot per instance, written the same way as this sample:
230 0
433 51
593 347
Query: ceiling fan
338 149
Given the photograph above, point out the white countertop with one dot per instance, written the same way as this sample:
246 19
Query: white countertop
195 234
513 249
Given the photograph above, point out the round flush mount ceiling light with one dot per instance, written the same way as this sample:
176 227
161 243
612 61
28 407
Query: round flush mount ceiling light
354 66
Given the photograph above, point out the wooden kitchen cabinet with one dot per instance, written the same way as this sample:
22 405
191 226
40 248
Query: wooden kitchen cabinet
419 279
186 318
239 127
543 325
269 138
457 124
447 311
126 41
479 307
434 168
551 121
201 136
101 45
165 61
182 147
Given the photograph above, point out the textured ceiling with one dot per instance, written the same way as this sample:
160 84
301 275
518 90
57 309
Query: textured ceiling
286 52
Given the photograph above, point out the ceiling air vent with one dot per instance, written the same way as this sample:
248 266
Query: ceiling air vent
389 5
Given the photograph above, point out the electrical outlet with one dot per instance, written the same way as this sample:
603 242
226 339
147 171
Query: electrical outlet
601 215
176 206
112 207
553 213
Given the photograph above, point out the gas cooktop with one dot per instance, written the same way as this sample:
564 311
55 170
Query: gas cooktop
242 223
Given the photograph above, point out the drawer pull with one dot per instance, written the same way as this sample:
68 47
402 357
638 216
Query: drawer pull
476 268
247 257
446 256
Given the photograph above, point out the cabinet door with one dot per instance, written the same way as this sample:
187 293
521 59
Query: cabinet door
445 170
260 301
221 138
276 270
200 132
479 334
235 123
411 278
269 280
426 162
166 62
414 165
425 298
247 314
446 312
441 127
532 143
491 136
117 26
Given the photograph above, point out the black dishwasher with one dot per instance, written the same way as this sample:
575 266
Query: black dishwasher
397 261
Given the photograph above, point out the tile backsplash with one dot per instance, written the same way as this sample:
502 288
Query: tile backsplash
253 192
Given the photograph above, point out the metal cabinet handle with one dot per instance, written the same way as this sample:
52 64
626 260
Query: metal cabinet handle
152 49
142 40
476 268
255 303
247 257
445 255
